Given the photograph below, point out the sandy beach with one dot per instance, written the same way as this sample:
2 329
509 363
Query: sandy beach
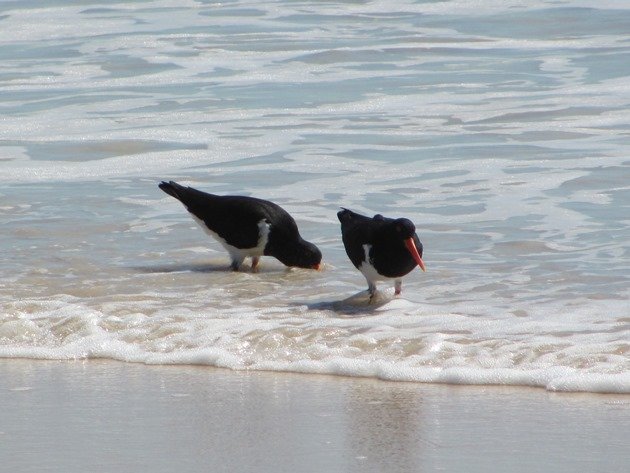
103 416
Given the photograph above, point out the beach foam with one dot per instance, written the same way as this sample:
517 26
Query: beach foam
398 342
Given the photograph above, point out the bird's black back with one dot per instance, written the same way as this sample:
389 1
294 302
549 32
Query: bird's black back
233 218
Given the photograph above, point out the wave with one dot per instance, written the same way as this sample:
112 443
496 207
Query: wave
393 340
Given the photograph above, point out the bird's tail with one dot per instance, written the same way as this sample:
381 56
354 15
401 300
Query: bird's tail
345 215
172 188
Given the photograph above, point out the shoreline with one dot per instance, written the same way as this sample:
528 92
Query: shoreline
106 415
601 384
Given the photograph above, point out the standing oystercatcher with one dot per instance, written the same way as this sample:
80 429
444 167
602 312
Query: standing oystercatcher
380 247
247 226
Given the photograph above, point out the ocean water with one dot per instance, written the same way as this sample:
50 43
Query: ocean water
501 128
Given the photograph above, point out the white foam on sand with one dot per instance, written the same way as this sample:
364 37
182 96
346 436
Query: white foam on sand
396 341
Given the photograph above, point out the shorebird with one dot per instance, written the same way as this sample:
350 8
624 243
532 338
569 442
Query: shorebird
381 248
247 227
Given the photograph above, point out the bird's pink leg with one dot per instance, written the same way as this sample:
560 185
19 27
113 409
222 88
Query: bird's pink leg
255 260
397 287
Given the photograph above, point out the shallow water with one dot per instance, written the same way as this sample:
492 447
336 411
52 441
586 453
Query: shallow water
500 129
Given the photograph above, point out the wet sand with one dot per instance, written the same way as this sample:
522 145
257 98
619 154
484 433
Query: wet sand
102 416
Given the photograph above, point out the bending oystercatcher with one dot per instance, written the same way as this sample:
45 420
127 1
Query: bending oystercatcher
247 226
380 247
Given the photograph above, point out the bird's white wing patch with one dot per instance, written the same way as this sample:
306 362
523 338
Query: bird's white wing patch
264 228
367 269
366 251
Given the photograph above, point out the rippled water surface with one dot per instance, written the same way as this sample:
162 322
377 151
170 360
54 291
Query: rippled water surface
501 128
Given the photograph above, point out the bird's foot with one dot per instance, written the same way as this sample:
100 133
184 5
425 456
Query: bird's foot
372 293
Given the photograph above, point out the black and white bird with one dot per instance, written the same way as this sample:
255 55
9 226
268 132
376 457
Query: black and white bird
247 227
381 248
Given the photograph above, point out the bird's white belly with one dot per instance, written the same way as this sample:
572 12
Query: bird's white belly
368 270
240 253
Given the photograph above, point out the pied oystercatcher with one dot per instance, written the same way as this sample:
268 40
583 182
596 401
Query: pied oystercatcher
247 226
380 247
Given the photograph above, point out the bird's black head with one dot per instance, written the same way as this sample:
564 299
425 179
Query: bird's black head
404 228
299 254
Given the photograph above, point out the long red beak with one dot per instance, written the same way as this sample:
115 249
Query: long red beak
411 246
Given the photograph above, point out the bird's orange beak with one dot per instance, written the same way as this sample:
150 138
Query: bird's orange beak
411 246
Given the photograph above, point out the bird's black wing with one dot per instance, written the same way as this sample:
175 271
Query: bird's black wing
356 231
234 218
